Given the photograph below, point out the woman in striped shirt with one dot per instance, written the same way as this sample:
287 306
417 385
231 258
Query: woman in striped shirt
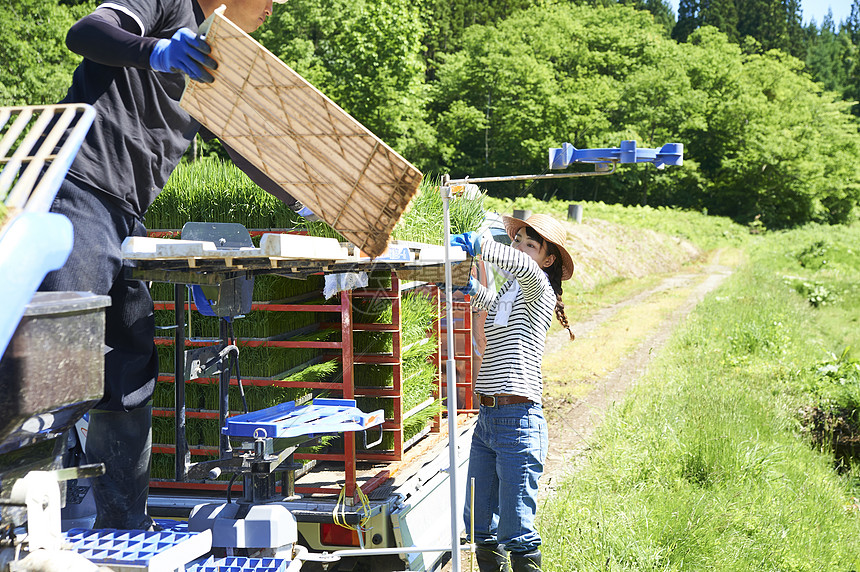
510 441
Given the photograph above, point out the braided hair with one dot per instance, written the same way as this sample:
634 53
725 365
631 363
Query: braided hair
554 275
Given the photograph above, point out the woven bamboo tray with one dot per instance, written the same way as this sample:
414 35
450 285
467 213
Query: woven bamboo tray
301 139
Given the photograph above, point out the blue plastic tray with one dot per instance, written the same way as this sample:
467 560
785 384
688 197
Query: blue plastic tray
163 550
239 564
321 416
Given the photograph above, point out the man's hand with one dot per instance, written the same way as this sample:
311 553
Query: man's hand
469 241
185 53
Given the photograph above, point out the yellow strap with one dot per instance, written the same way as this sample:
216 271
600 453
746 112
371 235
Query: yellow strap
340 517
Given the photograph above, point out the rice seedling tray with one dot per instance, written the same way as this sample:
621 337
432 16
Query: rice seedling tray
301 139
139 550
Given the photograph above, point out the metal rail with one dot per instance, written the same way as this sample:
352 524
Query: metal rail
600 169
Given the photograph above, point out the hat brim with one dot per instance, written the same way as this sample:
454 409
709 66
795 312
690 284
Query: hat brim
513 225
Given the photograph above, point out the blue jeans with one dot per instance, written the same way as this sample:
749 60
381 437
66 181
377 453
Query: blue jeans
508 452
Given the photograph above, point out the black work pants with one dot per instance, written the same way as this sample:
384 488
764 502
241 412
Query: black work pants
131 362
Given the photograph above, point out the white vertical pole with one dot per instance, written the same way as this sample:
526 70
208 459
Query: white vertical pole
451 376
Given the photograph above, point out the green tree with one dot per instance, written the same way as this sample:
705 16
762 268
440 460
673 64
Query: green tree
366 56
37 67
660 9
446 20
830 57
772 144
760 136
693 14
689 19
543 77
774 24
852 23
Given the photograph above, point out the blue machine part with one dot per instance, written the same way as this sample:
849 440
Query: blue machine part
163 550
203 304
172 525
319 417
238 564
669 154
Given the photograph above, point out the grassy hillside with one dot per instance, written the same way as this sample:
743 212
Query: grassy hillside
713 461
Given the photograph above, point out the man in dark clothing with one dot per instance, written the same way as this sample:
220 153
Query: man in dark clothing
136 55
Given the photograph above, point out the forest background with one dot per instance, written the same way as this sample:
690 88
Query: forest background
765 106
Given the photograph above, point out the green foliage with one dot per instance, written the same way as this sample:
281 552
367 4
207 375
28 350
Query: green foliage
702 466
366 56
706 232
816 293
776 145
37 67
831 58
424 220
210 190
486 88
834 383
761 139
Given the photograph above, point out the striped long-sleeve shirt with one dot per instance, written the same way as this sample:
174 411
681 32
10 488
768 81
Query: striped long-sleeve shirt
512 360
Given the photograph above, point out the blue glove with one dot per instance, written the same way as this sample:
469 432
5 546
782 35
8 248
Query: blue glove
469 241
185 53
470 288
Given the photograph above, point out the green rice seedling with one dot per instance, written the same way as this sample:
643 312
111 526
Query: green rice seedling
263 397
271 287
416 423
313 373
372 342
419 382
209 396
164 395
320 228
420 350
203 431
165 359
195 394
372 375
266 362
162 466
163 432
210 190
417 313
162 291
324 442
424 220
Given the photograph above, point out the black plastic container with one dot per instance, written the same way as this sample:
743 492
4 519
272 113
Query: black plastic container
51 373
53 369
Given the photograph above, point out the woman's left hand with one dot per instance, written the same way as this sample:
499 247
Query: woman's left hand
468 241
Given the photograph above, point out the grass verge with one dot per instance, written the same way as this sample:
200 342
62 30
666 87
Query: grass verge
704 466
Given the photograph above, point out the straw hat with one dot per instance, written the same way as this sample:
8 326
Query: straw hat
551 230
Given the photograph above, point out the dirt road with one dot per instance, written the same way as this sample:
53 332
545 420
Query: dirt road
572 421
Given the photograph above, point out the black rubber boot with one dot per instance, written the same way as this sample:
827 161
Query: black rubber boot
122 440
491 558
526 561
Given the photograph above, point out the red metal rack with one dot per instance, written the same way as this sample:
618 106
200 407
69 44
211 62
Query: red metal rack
344 351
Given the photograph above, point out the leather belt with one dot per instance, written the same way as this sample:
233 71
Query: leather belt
499 400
